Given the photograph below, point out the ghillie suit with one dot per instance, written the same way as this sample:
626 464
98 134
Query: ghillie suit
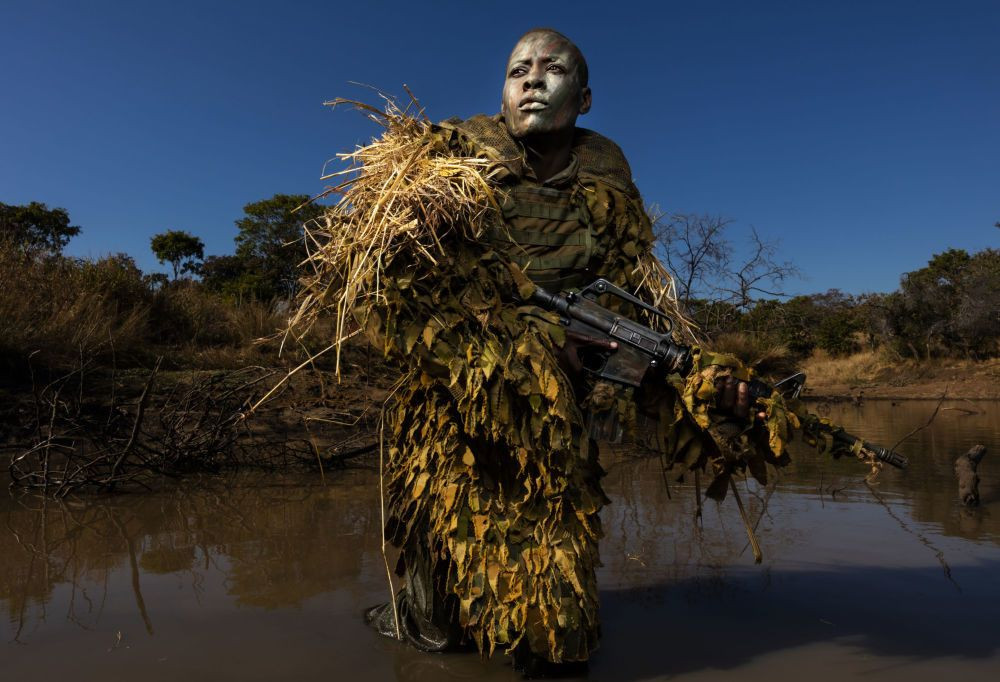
493 485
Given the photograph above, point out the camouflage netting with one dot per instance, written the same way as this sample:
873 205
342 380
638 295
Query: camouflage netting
488 469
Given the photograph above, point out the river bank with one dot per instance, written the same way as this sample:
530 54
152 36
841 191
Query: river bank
333 417
102 428
871 375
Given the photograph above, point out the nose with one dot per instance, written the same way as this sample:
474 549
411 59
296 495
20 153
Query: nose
535 79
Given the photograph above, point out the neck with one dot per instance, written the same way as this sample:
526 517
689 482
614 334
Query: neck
548 154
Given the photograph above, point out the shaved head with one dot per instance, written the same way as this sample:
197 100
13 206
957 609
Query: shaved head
582 72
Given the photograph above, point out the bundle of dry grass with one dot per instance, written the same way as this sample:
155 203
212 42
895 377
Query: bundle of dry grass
658 284
399 195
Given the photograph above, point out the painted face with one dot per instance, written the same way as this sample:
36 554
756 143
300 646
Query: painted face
542 92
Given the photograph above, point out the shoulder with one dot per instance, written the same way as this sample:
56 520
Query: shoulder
603 160
486 136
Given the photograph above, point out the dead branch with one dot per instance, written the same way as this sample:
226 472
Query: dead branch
921 428
966 470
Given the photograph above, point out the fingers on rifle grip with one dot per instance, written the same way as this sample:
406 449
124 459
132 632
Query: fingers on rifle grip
741 409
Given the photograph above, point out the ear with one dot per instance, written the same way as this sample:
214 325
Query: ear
585 100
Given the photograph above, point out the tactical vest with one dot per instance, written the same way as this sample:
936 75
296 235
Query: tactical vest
547 232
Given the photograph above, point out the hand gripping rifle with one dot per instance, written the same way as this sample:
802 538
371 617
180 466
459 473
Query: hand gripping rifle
641 349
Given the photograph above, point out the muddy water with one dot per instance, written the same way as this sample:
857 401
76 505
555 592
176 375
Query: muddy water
261 578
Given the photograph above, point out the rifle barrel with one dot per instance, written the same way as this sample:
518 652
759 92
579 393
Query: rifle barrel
883 454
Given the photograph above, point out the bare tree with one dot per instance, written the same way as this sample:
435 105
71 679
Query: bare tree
696 250
759 274
707 273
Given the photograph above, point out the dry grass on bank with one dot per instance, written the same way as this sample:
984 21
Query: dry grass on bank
59 311
859 369
879 374
869 374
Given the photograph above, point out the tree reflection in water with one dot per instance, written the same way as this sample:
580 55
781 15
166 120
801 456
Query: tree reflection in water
275 544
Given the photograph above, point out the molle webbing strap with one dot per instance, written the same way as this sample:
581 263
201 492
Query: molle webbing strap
547 233
524 237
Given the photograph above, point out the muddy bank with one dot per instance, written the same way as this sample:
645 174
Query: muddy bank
866 377
99 428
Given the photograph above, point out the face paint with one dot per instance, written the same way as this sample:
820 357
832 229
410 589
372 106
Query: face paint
542 92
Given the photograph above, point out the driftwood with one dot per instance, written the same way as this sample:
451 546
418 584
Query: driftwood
968 479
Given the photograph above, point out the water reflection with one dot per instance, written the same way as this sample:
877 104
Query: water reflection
275 545
263 576
929 484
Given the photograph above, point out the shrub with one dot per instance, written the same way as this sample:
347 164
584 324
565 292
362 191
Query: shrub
59 308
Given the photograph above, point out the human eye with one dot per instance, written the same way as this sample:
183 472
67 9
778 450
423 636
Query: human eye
556 68
517 71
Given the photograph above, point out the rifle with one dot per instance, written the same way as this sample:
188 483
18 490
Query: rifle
641 349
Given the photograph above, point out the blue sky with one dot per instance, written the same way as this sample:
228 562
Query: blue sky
865 136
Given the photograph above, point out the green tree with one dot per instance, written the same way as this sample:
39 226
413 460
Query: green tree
234 277
37 228
178 248
829 320
950 306
976 319
839 322
270 240
927 297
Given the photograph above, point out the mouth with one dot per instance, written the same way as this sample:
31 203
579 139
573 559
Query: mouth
532 105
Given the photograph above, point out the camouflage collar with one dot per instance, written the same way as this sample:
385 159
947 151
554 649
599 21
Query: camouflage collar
597 157
563 178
